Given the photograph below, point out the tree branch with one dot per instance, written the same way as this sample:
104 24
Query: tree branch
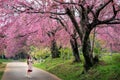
69 13
108 21
67 2
60 21
113 22
42 12
20 35
31 10
102 7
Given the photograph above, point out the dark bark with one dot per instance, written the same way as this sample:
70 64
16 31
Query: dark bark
54 49
87 52
75 50
84 33
96 59
2 56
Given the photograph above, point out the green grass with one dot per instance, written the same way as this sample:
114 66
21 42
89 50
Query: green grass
2 67
61 68
107 69
5 60
50 63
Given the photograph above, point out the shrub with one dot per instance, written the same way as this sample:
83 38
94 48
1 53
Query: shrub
0 62
116 58
65 53
42 53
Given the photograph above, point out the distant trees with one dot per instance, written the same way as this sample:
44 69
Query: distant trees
110 36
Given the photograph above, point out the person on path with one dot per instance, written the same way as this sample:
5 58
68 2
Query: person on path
29 63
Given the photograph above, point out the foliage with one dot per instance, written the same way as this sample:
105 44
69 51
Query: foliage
24 29
5 60
97 51
2 68
65 53
116 57
41 53
110 38
97 48
38 22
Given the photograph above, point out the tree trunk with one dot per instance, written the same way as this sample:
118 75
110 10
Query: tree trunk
75 50
54 49
87 52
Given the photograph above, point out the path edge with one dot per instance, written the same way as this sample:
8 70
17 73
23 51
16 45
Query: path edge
4 70
48 73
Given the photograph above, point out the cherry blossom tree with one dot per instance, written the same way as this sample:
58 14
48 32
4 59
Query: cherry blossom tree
87 15
72 34
51 28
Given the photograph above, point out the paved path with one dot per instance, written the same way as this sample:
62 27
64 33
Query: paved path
17 71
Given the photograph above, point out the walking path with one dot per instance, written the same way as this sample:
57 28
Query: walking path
17 71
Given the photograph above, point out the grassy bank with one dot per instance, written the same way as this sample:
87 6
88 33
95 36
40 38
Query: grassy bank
2 68
3 63
5 60
107 69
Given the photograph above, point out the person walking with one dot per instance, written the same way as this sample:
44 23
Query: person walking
29 63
